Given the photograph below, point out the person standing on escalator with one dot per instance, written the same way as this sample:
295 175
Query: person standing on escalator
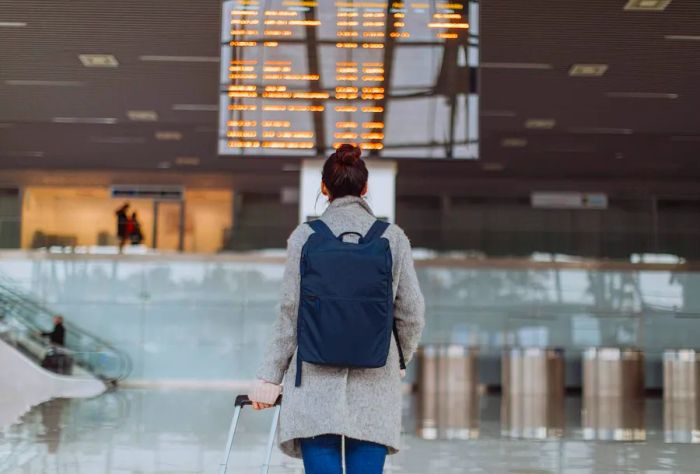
57 358
57 336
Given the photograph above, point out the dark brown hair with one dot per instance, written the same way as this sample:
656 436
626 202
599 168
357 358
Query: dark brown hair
344 172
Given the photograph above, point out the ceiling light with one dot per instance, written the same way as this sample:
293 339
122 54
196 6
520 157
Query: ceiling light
515 65
196 107
588 70
168 135
601 130
98 120
179 59
164 165
683 37
513 142
641 95
497 113
23 154
142 115
12 24
187 160
493 167
647 5
31 82
540 124
98 60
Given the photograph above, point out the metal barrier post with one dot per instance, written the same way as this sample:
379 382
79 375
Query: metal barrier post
532 403
447 402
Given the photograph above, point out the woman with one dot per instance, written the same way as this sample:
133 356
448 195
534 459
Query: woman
122 222
361 407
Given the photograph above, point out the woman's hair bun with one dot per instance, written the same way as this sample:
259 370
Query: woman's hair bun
344 172
348 154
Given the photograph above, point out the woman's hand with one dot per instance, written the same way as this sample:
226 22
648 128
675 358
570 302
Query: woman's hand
264 394
261 406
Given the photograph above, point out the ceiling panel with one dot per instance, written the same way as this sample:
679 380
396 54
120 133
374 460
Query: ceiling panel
661 139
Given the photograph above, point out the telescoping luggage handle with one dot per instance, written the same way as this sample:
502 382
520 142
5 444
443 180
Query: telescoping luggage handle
242 401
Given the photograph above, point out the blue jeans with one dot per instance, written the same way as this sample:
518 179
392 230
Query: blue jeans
322 455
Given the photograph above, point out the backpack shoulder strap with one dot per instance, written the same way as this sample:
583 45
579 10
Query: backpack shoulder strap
376 230
321 228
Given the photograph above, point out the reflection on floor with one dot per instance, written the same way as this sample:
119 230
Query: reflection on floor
178 432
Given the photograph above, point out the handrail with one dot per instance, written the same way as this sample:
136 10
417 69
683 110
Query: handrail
91 353
422 258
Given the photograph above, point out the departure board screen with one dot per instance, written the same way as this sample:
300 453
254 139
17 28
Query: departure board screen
300 77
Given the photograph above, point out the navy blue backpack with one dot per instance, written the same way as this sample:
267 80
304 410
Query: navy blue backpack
346 306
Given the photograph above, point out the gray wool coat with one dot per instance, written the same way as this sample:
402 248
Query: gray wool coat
363 404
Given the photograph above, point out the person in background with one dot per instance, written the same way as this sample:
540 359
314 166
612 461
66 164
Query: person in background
57 358
122 222
57 336
134 229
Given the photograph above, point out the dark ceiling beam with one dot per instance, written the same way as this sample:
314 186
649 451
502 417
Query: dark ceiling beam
389 44
312 52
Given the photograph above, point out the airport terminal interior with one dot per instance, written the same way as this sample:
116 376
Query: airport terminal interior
542 156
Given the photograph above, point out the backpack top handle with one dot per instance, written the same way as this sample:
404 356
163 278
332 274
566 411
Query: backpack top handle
361 237
376 231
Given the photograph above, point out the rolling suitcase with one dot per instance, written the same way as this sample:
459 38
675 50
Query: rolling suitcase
241 402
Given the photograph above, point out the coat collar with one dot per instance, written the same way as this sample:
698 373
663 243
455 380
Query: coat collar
349 201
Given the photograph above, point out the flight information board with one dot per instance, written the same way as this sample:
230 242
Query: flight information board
399 79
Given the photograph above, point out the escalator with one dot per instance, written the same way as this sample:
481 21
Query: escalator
88 365
22 320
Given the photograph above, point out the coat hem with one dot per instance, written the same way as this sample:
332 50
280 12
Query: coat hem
291 446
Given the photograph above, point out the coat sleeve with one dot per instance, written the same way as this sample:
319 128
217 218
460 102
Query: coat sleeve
283 341
409 305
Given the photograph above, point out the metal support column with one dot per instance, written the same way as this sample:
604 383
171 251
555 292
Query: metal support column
181 228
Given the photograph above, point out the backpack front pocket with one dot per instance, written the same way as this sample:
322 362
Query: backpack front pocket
344 332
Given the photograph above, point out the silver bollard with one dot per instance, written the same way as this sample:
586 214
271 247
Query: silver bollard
532 404
613 394
447 401
613 372
532 371
682 396
613 419
681 374
681 420
532 416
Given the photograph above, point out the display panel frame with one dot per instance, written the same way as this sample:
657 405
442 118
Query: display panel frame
294 90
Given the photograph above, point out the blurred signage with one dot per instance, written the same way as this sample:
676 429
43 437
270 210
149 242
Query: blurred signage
399 79
569 200
158 193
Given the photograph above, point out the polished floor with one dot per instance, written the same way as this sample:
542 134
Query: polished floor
183 432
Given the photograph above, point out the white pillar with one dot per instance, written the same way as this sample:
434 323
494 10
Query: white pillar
381 194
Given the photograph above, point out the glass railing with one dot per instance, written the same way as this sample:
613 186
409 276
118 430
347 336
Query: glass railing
22 322
208 317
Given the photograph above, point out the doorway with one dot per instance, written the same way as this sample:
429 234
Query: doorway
168 225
